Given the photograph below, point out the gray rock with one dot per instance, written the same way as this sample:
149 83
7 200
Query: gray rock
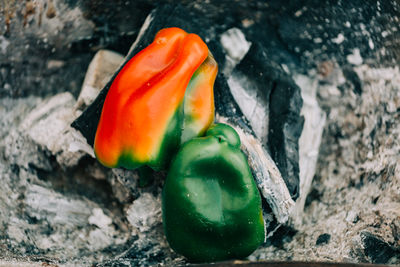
357 168
271 101
48 127
145 212
99 72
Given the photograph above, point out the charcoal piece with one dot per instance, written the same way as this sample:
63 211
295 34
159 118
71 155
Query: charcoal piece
278 122
285 128
267 176
376 249
323 239
251 84
226 106
162 17
282 235
275 49
352 77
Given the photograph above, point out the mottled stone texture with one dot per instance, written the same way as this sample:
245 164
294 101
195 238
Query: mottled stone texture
78 213
281 98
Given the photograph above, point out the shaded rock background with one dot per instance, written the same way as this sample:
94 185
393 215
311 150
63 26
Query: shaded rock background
62 211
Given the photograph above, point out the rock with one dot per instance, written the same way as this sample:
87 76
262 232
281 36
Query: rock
100 70
31 61
45 47
48 126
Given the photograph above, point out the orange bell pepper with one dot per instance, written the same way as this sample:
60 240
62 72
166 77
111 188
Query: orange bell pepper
142 118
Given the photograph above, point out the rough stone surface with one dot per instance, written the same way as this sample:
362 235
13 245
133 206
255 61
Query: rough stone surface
355 194
99 72
349 52
144 212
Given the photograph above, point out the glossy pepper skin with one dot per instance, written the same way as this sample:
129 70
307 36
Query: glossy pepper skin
142 117
211 206
199 100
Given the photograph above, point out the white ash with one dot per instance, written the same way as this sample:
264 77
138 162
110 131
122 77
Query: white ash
43 203
310 139
22 151
4 43
51 26
34 217
358 175
253 105
20 264
125 184
50 221
339 39
13 111
355 58
48 125
99 219
145 212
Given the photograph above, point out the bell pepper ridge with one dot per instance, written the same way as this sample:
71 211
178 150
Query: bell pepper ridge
211 206
199 100
160 106
142 115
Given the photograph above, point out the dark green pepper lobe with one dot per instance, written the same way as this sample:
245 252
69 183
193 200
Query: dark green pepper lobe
211 205
226 133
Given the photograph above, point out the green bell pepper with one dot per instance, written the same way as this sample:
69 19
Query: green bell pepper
210 203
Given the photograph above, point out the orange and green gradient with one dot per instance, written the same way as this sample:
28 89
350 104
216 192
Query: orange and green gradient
199 100
142 117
